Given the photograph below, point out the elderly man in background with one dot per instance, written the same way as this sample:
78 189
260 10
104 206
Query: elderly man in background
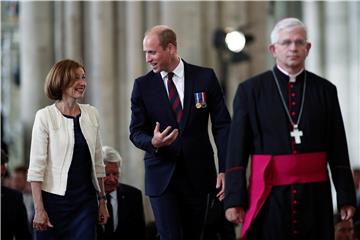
124 203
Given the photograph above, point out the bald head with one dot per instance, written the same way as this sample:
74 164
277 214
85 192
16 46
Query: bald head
165 35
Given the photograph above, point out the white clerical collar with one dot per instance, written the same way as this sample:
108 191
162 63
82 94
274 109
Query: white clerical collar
292 77
178 71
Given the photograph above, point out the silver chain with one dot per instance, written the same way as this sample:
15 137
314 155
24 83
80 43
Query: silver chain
283 100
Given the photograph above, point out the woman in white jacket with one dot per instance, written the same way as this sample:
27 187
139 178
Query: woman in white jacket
66 168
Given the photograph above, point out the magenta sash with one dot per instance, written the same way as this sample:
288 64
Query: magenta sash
268 171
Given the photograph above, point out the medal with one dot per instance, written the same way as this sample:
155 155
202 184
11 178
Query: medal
203 97
200 100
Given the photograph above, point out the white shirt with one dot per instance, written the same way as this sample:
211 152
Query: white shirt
114 204
178 80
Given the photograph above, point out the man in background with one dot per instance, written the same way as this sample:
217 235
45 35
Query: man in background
19 183
124 203
14 223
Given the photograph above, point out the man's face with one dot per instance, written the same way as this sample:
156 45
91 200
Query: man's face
111 180
291 49
344 230
158 58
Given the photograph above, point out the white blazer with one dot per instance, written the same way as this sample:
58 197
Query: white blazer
52 147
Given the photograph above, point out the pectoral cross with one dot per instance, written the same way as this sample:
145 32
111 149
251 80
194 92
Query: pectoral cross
295 133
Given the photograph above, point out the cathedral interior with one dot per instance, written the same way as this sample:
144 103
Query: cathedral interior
106 36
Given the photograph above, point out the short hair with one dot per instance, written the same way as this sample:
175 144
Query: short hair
165 34
60 76
110 155
285 23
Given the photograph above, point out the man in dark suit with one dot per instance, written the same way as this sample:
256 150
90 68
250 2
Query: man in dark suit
124 203
14 223
170 107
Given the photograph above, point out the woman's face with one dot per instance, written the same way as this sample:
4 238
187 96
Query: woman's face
77 89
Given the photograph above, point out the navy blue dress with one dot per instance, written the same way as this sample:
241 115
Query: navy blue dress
74 215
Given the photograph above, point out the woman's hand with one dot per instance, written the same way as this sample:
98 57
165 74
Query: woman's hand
103 212
41 220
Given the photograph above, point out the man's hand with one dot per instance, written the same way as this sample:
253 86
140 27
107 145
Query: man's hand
235 215
347 212
165 138
220 184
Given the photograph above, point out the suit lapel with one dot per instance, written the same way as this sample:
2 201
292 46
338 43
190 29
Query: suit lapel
120 206
188 89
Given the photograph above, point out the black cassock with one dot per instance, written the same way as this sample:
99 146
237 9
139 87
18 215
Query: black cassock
260 126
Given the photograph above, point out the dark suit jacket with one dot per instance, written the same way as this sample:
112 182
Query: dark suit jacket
131 219
150 104
14 222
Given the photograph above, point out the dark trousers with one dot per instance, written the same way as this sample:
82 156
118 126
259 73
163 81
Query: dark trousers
180 212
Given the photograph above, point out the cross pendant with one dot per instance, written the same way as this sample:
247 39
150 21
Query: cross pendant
295 133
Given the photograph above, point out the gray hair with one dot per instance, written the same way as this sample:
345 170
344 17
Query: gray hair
110 155
283 24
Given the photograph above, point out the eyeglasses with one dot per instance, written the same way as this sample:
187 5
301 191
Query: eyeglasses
287 43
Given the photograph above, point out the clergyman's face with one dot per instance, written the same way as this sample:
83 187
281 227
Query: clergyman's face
158 58
291 49
111 179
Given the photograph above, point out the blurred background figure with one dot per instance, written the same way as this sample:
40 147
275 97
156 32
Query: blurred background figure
14 224
124 203
344 229
19 183
356 219
356 175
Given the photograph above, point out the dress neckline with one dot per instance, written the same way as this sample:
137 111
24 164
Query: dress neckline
72 117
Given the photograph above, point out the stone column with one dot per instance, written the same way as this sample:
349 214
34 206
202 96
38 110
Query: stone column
209 22
354 82
59 36
131 55
258 49
69 32
234 15
337 53
152 14
73 30
134 58
36 47
99 56
335 56
184 19
313 19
